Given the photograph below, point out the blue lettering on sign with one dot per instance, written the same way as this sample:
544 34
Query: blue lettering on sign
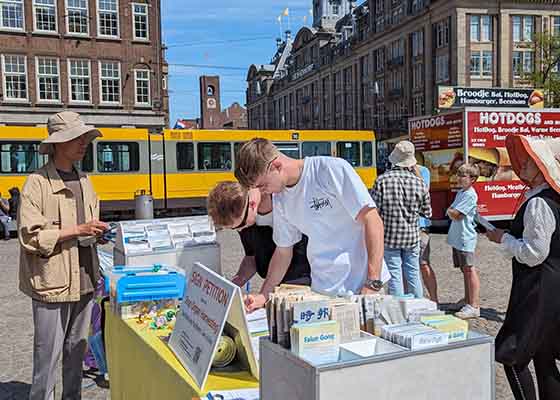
323 313
306 315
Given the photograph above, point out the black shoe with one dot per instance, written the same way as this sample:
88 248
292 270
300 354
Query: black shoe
101 382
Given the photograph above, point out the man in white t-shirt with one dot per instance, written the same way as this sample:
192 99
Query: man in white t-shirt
325 199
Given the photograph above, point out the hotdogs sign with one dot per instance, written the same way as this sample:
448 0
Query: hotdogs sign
455 96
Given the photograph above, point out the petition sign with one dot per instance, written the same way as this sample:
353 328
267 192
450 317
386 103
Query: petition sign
456 96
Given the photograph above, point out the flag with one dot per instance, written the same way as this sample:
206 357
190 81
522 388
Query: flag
311 11
180 124
279 18
304 19
286 12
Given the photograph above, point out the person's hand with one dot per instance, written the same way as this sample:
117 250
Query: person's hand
495 235
366 290
254 302
92 228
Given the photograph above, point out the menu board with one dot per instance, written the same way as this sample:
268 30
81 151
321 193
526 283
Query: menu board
437 132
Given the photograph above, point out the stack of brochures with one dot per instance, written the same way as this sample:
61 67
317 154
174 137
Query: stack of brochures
317 343
456 328
414 336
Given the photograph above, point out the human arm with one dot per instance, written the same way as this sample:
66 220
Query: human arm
373 226
534 247
464 204
247 269
4 205
426 206
455 214
277 268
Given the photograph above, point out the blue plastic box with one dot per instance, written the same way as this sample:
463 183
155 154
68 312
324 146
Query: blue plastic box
137 290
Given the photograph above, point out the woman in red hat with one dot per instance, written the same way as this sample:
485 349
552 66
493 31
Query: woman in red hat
531 330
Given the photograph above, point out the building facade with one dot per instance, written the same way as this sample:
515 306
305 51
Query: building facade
101 58
381 63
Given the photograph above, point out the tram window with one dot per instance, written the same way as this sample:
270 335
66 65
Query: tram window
214 156
185 156
86 164
236 147
367 151
20 157
288 149
309 149
118 157
350 151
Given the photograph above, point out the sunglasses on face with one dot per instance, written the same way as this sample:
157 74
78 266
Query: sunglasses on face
244 220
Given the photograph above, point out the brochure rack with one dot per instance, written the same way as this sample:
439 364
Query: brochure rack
460 371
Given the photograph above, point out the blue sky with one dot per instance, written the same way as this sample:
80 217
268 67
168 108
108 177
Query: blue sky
191 29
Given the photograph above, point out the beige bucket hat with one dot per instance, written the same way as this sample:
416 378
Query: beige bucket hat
403 155
544 152
64 127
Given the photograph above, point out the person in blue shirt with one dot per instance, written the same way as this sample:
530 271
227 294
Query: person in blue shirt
462 238
428 274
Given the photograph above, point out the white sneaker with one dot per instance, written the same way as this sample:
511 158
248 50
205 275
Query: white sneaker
468 312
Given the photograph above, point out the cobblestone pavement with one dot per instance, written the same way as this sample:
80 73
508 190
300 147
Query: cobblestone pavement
16 342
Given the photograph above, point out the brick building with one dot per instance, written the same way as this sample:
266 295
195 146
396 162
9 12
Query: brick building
375 65
101 58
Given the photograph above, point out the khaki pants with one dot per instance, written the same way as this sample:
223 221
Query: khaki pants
59 328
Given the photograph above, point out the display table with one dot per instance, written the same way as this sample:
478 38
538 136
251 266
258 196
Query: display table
142 366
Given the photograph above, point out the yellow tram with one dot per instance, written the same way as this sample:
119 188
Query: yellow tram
178 167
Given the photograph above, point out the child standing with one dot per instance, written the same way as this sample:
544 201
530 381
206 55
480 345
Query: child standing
462 238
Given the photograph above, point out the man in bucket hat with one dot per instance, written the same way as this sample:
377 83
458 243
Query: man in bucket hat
402 197
58 268
532 325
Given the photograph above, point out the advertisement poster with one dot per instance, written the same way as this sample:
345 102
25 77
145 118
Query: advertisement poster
457 97
500 192
437 132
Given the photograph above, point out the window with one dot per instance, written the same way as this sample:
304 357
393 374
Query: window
44 15
15 77
516 22
335 9
523 28
486 63
11 14
380 60
350 151
288 149
140 21
236 147
442 68
117 157
48 82
77 17
310 149
142 86
79 77
442 34
481 63
110 82
475 28
528 28
417 76
108 18
417 43
214 156
185 156
556 26
20 157
367 151
481 28
522 63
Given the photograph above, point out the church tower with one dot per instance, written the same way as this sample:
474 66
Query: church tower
326 13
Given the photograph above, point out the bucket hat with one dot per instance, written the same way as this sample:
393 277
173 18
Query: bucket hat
64 127
544 152
403 155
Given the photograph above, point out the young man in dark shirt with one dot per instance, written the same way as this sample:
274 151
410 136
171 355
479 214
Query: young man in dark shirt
250 213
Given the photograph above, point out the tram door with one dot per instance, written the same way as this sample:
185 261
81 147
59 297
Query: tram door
157 168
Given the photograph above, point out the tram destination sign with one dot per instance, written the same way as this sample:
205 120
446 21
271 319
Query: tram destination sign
457 96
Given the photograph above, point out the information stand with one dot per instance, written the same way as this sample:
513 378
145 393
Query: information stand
393 373
212 306
170 241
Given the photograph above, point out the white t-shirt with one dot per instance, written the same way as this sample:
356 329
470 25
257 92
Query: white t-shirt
324 205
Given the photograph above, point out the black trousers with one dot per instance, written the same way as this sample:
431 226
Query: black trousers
548 377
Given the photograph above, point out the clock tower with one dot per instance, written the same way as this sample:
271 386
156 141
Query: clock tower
210 107
326 13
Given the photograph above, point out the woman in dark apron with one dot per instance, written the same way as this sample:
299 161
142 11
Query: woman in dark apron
531 330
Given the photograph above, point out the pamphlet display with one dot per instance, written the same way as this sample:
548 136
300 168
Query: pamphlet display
172 241
211 307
